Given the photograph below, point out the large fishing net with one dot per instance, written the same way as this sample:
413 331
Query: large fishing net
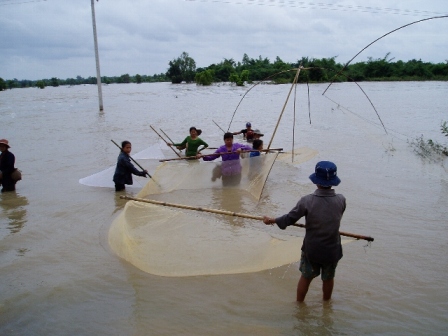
146 157
248 174
171 242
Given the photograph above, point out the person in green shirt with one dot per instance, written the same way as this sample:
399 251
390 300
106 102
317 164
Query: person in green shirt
191 143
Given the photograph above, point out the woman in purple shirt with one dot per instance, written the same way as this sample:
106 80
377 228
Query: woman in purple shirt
230 154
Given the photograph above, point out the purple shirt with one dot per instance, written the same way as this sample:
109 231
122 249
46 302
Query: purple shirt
227 157
231 162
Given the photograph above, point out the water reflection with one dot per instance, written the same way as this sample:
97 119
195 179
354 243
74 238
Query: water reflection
316 319
13 208
119 202
229 172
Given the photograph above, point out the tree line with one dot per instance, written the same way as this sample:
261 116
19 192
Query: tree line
42 83
183 69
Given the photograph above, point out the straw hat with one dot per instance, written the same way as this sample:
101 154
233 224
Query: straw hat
5 142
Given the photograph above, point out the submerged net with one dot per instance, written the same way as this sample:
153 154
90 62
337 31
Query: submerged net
299 155
248 174
168 242
171 242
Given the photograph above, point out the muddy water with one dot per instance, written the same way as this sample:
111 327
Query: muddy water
59 276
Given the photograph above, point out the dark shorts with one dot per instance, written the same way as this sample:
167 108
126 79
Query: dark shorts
119 187
311 270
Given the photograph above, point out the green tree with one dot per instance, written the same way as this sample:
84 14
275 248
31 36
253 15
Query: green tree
11 83
138 79
223 70
204 77
239 79
282 68
187 67
70 81
54 82
125 78
2 84
181 69
40 84
174 72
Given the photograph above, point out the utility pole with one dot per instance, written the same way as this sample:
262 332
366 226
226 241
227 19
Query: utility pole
97 58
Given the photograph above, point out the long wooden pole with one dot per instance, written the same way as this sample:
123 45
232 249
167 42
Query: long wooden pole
217 154
161 130
135 162
97 59
284 105
219 126
230 213
165 141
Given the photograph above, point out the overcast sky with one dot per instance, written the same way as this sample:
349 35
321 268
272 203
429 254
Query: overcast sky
54 38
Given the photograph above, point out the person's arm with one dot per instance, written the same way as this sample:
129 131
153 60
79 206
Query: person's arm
203 143
240 147
247 148
125 161
290 218
214 157
242 131
180 144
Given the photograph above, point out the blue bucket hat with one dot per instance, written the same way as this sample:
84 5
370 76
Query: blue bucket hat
248 124
325 174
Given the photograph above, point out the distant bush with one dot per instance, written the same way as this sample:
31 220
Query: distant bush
429 149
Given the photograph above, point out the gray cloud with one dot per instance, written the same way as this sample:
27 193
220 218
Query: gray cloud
54 38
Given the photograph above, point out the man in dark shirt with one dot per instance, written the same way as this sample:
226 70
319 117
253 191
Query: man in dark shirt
321 249
248 132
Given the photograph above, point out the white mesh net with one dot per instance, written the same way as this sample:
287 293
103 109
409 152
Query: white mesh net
171 242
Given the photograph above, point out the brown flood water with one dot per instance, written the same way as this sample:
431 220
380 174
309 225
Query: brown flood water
59 276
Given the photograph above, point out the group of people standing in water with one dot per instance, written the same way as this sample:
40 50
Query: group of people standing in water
323 209
193 146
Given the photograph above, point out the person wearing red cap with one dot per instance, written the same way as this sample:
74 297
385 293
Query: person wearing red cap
7 161
248 132
321 249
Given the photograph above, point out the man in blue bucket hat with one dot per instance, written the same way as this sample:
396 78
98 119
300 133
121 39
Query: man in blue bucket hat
321 249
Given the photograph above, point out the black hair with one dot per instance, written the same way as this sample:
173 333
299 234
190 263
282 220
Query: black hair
196 129
124 143
257 143
228 135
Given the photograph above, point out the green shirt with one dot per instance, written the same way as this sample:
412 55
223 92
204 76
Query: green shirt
192 145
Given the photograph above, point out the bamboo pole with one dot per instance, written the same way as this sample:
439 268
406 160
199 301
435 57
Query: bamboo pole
161 130
219 126
284 105
230 213
165 141
135 162
97 59
218 154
